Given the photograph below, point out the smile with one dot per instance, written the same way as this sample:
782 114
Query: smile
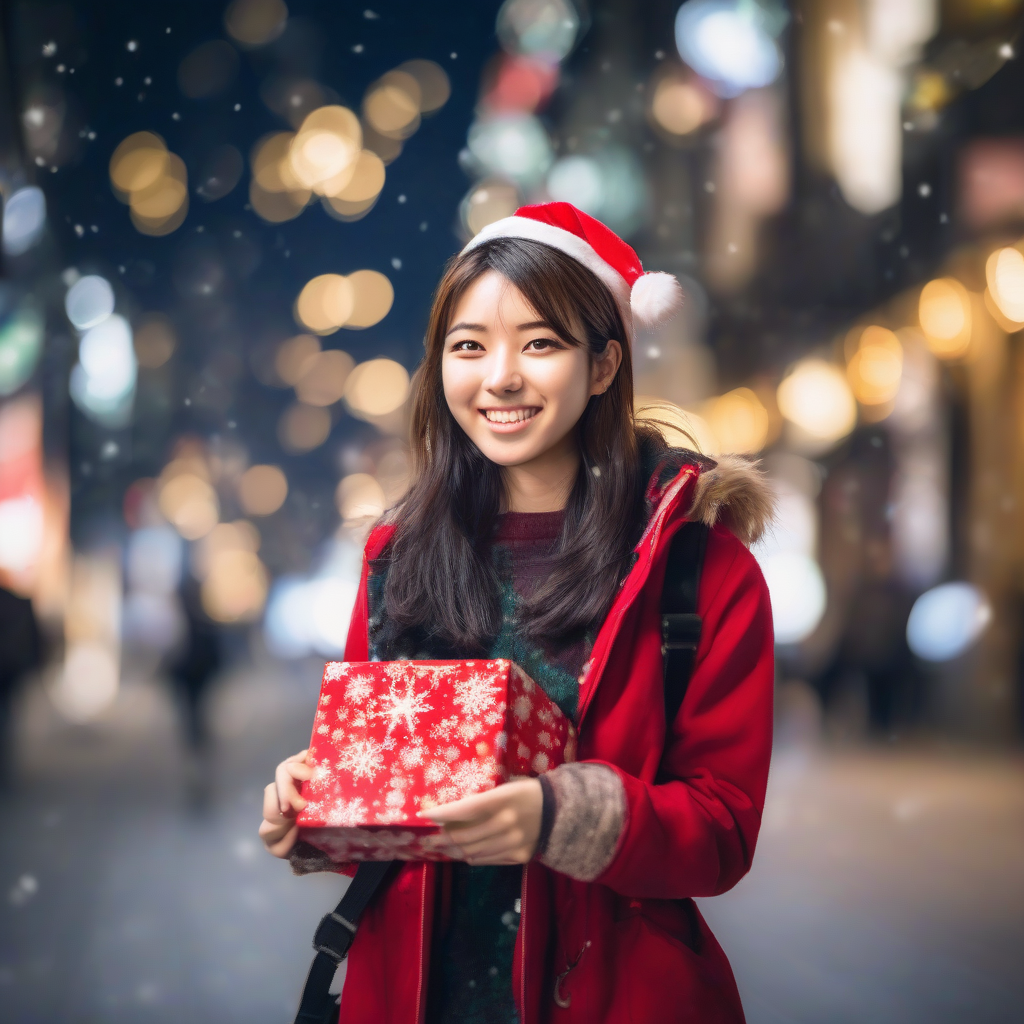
508 420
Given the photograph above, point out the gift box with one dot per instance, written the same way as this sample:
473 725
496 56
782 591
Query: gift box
395 737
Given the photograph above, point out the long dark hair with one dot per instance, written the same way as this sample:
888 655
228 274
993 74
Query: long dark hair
440 579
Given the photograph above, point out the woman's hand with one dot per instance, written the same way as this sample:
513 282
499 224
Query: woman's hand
281 802
501 826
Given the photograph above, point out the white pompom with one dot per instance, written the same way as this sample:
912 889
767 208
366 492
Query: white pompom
655 298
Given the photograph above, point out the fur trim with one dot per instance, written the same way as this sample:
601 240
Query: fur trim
306 859
736 493
655 298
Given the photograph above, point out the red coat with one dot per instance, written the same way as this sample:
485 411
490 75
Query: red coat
645 955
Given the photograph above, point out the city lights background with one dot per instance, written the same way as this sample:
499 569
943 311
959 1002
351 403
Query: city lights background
222 225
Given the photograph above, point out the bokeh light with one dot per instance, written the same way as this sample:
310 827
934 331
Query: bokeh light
295 356
155 341
738 420
325 303
946 620
816 397
945 314
432 79
303 428
160 208
514 146
392 105
372 296
488 201
253 23
376 387
221 172
727 42
21 343
103 380
322 155
798 595
359 496
24 219
190 505
262 490
137 163
323 382
540 28
89 301
1004 272
876 367
680 105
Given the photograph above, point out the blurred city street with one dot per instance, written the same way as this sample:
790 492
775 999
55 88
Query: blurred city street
887 885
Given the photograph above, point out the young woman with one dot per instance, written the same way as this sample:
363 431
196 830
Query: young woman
537 529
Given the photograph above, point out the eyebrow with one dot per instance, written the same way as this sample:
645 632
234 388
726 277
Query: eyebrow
532 325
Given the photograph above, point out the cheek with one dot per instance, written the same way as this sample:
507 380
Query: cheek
459 382
566 383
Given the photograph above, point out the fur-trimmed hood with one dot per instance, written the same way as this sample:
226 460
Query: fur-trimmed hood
734 491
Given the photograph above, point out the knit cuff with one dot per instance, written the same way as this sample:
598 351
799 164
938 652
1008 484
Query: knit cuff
590 811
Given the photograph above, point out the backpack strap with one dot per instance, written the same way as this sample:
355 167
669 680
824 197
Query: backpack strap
680 623
332 940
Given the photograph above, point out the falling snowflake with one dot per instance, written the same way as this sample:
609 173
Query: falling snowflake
476 694
358 689
363 759
346 813
407 706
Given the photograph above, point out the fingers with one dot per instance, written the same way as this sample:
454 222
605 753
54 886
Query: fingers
287 791
495 825
300 756
279 840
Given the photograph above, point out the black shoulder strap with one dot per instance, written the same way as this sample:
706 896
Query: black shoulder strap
332 940
680 623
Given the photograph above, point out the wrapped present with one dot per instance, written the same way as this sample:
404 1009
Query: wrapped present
395 737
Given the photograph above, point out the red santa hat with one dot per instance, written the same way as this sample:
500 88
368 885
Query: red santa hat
649 298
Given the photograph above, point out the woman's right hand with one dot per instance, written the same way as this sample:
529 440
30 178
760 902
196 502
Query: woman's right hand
281 803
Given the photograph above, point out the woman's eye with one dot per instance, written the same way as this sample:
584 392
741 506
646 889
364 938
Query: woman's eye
466 346
540 344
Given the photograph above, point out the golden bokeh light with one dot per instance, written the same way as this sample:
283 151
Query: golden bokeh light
876 367
359 496
240 535
365 180
154 341
271 166
387 148
392 104
394 474
372 295
137 163
679 106
376 387
323 154
303 428
341 209
325 303
255 22
235 590
323 383
817 399
1004 272
489 201
262 490
433 82
739 421
277 207
295 356
945 314
163 197
190 505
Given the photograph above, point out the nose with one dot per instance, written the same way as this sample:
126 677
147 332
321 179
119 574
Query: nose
503 377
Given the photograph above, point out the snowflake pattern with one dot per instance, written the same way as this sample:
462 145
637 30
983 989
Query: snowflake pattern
334 670
363 759
405 707
521 707
476 694
359 688
346 813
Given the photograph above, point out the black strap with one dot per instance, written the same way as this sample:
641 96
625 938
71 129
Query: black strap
680 623
332 940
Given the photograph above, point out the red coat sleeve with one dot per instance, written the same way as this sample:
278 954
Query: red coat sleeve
693 832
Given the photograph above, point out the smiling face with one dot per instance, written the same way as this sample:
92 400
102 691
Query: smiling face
513 385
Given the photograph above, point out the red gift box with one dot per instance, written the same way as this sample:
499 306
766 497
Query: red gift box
394 737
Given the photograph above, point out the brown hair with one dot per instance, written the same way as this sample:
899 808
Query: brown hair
441 580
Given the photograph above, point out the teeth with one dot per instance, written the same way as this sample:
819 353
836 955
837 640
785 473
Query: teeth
509 415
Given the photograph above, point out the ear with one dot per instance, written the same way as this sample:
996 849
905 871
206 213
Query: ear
604 367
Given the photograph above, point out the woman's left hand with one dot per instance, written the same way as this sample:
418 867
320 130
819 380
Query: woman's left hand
501 826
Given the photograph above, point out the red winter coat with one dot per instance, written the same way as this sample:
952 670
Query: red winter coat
643 952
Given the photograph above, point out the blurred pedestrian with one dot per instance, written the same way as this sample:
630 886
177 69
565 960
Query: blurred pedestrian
20 653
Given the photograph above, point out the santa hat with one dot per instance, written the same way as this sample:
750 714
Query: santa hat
649 299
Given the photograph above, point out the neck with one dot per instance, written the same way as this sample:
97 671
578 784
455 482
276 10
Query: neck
543 484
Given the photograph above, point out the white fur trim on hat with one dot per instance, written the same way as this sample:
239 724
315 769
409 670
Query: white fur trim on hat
655 298
564 241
